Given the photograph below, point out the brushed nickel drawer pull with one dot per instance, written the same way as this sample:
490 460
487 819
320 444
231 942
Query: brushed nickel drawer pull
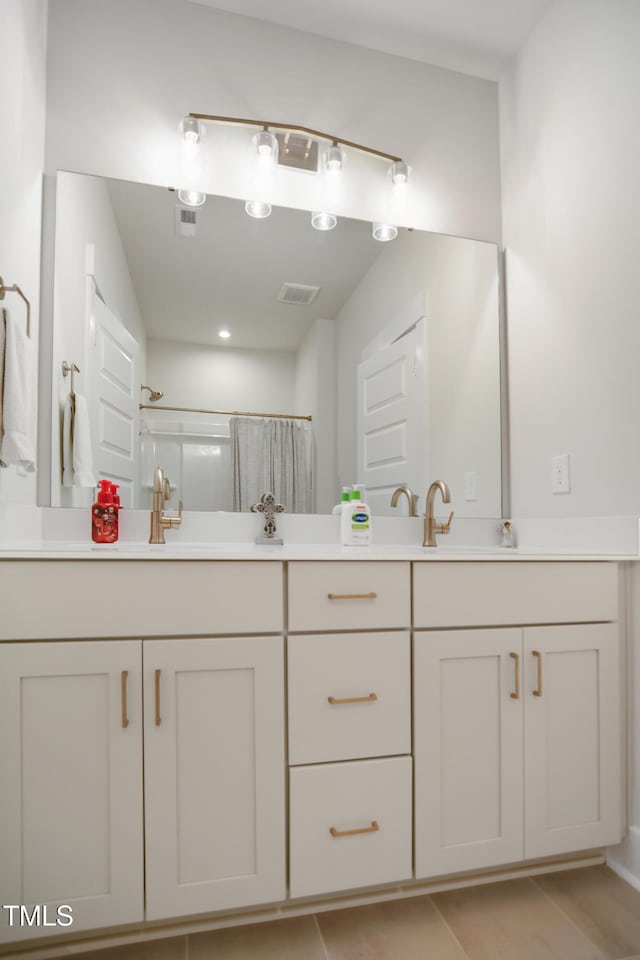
351 833
516 661
352 596
123 698
157 692
538 656
369 699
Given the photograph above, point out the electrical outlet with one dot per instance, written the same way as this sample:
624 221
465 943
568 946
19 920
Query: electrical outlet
470 485
560 479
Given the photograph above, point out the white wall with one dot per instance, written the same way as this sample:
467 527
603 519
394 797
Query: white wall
570 159
569 109
454 283
193 375
315 394
22 109
123 73
84 216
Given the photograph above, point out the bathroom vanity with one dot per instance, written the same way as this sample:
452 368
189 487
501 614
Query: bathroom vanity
194 740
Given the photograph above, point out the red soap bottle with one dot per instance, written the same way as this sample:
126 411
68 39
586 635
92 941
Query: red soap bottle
104 515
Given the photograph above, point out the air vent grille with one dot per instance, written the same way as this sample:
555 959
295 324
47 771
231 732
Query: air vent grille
298 293
185 222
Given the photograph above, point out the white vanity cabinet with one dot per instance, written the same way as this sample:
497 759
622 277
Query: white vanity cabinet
72 733
214 774
71 784
517 729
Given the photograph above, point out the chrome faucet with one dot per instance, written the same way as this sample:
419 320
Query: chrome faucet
411 498
431 528
159 520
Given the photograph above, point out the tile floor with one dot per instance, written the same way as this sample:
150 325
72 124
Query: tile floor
587 914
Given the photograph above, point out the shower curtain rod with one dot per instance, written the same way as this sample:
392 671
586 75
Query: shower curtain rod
225 413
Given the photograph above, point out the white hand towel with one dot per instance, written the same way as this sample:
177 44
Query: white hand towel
17 443
83 475
3 314
67 442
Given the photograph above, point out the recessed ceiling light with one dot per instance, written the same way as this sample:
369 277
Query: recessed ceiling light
224 333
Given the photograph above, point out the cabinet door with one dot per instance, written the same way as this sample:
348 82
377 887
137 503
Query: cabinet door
468 749
71 796
572 738
214 774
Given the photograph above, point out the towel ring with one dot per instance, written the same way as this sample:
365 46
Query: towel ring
14 288
70 368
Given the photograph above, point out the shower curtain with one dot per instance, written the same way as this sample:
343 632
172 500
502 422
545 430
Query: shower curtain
270 456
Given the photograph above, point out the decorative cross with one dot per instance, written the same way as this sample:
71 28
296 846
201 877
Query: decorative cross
268 507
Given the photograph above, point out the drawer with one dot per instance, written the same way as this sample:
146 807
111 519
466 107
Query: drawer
349 696
490 594
350 825
349 595
139 598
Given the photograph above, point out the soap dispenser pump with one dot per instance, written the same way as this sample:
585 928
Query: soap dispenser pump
104 515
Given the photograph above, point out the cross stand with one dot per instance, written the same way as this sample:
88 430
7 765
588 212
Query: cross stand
268 507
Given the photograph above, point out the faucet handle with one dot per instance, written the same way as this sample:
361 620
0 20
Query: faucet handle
444 527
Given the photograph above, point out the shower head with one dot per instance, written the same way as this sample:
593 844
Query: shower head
153 394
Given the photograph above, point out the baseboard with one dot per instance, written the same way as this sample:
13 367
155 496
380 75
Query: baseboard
625 859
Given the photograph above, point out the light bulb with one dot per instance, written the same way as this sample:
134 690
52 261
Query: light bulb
266 144
224 333
191 198
192 130
384 232
323 221
399 172
259 209
334 158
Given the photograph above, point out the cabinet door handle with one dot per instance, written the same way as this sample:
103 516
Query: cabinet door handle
352 596
369 699
157 694
538 656
351 833
516 662
123 698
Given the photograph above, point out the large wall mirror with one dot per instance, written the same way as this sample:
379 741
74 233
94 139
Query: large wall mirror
286 356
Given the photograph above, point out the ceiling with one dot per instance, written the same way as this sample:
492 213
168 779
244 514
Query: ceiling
477 37
230 273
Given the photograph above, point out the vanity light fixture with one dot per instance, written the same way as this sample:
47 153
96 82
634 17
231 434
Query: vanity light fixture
323 221
384 232
224 333
399 172
191 198
334 158
258 209
265 146
192 130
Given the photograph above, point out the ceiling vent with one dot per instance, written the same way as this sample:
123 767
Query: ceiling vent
185 222
298 293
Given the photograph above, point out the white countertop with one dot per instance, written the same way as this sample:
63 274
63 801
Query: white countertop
123 550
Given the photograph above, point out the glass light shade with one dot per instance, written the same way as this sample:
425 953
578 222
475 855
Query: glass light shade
323 221
399 172
224 333
266 145
334 158
192 130
384 232
191 198
259 209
